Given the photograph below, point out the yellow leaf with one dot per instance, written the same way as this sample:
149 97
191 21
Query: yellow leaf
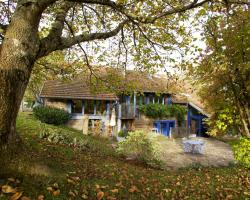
84 196
71 181
111 198
11 180
50 189
16 196
55 185
40 197
72 193
8 189
247 193
114 190
100 195
27 198
56 193
133 189
75 178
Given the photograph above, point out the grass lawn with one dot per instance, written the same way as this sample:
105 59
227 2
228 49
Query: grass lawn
99 173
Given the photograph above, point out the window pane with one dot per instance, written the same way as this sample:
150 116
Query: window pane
77 106
89 107
100 107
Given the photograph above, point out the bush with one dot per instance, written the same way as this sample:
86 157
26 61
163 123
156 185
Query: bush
51 115
142 146
122 133
242 151
60 136
159 111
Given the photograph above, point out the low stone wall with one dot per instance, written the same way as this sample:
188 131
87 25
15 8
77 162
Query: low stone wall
75 123
56 103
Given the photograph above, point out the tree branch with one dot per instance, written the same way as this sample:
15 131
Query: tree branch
61 43
68 42
238 2
3 27
151 19
58 24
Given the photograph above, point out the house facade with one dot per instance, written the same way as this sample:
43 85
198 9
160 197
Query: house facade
110 112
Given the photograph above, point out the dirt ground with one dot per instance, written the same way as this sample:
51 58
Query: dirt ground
216 153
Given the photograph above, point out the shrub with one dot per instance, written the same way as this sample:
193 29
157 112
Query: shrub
60 136
159 111
242 151
122 133
51 115
142 146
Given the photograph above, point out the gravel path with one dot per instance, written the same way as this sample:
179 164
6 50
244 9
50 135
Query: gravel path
216 153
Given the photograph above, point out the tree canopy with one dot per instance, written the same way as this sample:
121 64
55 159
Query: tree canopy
224 72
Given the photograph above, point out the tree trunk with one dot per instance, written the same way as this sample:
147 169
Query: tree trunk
17 56
244 120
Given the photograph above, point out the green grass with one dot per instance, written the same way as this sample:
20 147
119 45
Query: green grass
39 164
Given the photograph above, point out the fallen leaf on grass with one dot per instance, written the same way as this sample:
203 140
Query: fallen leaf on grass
247 193
84 196
133 189
8 189
114 190
100 195
71 181
55 185
16 196
72 194
11 179
27 198
75 178
111 198
167 190
50 189
40 197
56 193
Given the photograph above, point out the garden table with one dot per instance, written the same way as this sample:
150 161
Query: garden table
193 146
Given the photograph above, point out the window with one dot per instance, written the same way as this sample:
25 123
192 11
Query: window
89 107
100 107
76 106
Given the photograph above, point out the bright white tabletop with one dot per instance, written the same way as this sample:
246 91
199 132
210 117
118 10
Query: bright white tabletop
193 142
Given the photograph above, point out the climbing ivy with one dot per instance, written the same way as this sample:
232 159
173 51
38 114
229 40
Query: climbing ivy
160 111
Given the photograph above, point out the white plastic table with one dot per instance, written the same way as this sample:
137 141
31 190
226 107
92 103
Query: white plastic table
193 146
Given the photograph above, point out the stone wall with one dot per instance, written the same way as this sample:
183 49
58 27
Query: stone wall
56 103
76 124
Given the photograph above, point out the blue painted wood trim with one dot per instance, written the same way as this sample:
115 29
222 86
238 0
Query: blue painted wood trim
83 105
134 102
69 106
127 99
107 107
189 117
94 107
169 100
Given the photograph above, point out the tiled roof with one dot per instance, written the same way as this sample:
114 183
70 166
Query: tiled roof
117 82
73 90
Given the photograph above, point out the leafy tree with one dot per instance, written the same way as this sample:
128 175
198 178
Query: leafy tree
137 27
51 67
224 72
